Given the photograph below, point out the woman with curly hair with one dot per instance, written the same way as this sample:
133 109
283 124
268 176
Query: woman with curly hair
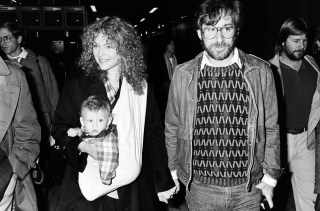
113 66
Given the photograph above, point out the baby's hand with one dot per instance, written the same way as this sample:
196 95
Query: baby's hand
72 132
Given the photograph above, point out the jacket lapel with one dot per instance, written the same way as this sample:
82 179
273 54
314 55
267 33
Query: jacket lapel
8 102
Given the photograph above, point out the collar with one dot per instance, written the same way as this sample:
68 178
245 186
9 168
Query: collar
22 55
234 59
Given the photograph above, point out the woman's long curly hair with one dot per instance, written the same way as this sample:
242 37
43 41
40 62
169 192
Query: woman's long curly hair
128 46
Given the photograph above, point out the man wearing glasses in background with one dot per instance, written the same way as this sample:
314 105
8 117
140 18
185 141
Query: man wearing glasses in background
221 128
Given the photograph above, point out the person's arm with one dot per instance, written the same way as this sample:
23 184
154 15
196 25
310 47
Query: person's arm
171 126
271 163
33 72
154 145
50 83
66 117
25 149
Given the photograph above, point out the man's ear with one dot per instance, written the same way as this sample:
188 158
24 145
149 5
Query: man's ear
199 34
19 39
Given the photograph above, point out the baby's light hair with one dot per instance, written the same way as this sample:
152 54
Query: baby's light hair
95 103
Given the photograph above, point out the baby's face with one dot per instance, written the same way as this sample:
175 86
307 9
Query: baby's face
95 121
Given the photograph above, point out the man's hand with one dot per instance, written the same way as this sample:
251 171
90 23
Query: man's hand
88 148
317 204
166 195
267 191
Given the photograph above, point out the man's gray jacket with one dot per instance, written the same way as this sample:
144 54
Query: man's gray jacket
263 129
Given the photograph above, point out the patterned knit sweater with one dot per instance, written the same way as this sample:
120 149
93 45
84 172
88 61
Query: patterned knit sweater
220 146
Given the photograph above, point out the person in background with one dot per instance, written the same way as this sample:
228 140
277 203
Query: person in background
44 91
316 46
221 128
113 67
41 80
19 140
299 92
164 67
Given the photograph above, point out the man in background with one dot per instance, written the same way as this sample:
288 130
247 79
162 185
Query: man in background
43 87
299 102
19 140
162 69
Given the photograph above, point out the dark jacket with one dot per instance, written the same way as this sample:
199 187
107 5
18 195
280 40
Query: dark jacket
44 84
140 195
263 129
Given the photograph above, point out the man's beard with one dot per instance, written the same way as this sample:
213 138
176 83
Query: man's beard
291 54
219 55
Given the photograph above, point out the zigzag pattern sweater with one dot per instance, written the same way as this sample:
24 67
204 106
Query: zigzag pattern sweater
220 146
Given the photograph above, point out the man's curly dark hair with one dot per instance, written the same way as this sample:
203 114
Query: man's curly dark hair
128 46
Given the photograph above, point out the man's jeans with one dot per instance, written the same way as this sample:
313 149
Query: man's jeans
202 197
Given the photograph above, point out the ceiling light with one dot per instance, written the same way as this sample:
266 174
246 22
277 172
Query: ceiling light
142 19
93 8
153 9
135 26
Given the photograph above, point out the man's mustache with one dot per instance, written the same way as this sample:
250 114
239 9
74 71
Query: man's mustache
299 51
219 45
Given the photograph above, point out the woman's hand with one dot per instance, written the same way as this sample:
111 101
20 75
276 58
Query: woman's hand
88 148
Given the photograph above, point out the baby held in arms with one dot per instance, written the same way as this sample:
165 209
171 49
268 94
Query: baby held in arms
96 129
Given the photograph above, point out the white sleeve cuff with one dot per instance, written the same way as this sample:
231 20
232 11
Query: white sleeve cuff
269 180
174 174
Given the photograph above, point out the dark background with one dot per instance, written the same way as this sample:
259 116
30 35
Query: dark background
262 20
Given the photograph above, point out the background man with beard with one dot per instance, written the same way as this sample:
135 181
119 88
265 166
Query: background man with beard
221 128
298 89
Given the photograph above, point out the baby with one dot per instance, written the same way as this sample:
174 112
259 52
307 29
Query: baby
96 129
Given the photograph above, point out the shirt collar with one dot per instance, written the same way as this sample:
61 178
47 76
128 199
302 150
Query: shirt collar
235 59
22 55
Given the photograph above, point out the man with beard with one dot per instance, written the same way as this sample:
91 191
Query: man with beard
221 128
299 101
